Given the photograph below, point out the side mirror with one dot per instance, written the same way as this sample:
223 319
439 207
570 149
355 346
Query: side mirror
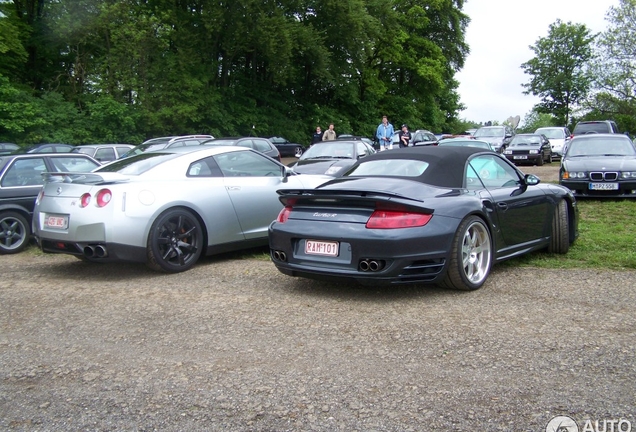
532 180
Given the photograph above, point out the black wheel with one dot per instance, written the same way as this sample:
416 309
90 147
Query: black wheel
298 152
175 241
15 232
540 160
549 158
470 257
560 238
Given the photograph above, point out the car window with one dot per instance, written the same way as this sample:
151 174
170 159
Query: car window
24 172
121 151
73 164
84 150
262 146
493 172
247 164
105 154
204 168
389 168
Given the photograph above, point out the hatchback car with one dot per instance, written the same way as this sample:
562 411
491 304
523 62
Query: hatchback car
559 138
20 182
529 149
262 145
600 166
330 157
103 153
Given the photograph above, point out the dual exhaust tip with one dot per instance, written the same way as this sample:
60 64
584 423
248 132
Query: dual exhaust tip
279 256
97 251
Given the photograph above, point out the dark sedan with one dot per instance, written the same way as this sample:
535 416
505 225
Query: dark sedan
440 215
331 157
262 145
532 149
600 166
287 148
20 183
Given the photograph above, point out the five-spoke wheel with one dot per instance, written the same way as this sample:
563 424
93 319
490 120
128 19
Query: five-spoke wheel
15 232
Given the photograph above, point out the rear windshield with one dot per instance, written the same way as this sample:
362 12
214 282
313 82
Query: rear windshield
598 127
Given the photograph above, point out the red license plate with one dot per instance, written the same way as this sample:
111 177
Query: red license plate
57 222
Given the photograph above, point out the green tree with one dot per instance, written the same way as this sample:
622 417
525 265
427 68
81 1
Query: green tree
559 70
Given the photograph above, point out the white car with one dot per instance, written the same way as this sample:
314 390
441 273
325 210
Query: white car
165 208
559 138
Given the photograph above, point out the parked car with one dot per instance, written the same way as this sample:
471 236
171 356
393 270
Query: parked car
167 142
20 183
287 148
104 153
262 145
600 166
423 138
330 157
164 208
559 138
440 215
532 149
45 148
7 148
465 142
498 136
596 126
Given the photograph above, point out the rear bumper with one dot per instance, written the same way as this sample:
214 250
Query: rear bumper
96 251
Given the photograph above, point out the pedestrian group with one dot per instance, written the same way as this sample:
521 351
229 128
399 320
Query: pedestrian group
384 134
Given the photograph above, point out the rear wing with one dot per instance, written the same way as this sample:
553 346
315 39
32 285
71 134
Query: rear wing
84 178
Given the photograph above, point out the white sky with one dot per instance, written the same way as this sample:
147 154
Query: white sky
499 35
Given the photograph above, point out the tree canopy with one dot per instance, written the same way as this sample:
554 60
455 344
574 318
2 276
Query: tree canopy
121 70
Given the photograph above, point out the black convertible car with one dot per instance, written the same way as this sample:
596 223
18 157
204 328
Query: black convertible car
429 214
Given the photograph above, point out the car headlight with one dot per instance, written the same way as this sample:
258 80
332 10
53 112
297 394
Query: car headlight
628 175
573 175
534 152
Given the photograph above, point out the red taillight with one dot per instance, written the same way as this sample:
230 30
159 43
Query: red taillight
103 197
85 200
284 214
387 219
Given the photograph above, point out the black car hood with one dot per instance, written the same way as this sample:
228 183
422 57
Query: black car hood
604 163
320 166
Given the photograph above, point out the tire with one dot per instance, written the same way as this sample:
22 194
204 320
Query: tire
298 152
175 241
15 232
560 236
470 257
540 160
549 158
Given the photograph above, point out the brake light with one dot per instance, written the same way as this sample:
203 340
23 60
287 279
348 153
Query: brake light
386 219
284 214
85 200
103 197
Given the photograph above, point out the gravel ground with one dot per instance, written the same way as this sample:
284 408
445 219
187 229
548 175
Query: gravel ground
234 345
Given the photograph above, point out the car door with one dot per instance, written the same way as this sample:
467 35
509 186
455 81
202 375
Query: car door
521 211
252 179
22 181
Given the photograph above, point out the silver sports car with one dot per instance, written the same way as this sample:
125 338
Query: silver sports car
164 208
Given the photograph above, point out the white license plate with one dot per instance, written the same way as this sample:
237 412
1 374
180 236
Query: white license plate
56 221
314 247
520 157
603 186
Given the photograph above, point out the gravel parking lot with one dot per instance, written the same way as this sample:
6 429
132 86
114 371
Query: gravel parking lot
234 345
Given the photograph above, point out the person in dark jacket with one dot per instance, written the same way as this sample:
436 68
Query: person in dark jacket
404 136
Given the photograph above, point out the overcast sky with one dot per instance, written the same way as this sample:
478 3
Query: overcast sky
499 34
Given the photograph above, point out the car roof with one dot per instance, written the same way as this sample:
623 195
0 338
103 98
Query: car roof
103 145
446 163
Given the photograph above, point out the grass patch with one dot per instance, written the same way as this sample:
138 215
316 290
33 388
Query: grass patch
607 239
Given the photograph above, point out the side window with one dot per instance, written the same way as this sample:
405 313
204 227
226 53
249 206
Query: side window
473 182
25 172
262 146
247 164
494 172
361 150
204 168
105 154
73 164
121 151
246 144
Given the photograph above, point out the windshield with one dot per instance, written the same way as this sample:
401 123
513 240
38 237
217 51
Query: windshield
330 150
137 164
489 132
219 142
521 140
601 147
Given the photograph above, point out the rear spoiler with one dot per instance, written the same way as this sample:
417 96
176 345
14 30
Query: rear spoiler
84 178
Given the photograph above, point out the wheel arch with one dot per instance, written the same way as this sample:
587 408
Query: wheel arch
192 210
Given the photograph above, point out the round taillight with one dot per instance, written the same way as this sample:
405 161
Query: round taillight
85 200
103 197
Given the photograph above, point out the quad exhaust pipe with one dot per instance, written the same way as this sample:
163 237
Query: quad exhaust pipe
371 265
97 251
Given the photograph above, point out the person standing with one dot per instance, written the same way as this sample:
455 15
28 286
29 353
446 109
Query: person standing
329 134
317 136
404 136
384 134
